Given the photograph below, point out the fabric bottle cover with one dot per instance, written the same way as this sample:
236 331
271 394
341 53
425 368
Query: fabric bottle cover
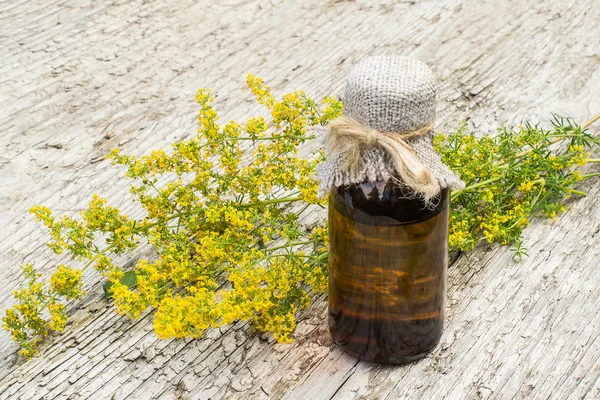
390 98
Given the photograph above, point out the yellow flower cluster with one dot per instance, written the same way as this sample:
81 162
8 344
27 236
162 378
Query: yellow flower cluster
127 301
262 92
58 316
25 321
579 155
511 177
229 245
227 232
184 316
67 282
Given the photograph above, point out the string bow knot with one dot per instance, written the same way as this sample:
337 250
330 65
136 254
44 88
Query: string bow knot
348 138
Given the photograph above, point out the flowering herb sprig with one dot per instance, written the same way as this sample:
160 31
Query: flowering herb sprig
512 177
223 212
226 249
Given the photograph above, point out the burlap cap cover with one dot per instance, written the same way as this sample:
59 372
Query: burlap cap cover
389 94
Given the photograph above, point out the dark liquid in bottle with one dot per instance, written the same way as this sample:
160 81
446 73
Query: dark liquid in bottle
387 272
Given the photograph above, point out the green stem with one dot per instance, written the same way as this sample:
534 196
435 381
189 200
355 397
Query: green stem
290 245
560 137
99 253
152 186
291 255
475 186
578 192
563 137
316 111
236 139
243 205
593 160
588 176
533 203
273 201
569 190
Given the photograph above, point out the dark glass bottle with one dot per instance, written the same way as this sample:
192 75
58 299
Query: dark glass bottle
387 272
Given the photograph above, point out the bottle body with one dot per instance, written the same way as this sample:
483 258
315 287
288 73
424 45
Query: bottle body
387 272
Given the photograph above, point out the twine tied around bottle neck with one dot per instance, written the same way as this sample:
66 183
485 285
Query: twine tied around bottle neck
349 138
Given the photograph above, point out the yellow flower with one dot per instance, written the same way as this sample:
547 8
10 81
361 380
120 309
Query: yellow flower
127 301
224 209
262 92
58 316
526 186
67 282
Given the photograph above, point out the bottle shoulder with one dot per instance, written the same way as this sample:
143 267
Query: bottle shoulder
385 203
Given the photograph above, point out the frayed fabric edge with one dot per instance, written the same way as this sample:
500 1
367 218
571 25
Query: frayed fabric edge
376 167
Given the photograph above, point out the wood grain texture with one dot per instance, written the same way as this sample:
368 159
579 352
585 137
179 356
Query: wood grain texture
80 77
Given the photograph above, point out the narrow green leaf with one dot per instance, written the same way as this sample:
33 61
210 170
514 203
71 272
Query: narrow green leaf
129 279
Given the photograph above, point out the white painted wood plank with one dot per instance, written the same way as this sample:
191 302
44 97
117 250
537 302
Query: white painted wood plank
81 77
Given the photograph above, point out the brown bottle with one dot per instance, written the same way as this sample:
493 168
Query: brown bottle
387 271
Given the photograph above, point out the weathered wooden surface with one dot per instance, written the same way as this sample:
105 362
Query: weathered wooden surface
80 77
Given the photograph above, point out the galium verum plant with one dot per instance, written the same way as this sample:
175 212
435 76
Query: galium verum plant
512 177
226 249
230 246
